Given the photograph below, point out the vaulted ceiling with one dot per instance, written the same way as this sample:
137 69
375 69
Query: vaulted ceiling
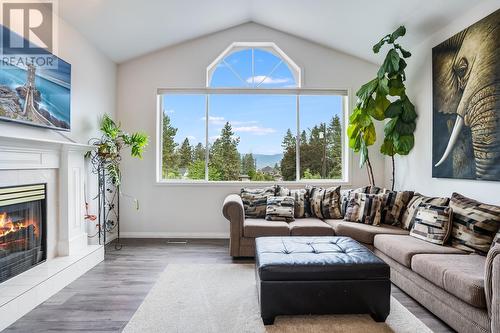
125 29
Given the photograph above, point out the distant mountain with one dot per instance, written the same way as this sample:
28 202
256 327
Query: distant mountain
267 160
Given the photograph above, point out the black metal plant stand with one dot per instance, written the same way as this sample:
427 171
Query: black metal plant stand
109 209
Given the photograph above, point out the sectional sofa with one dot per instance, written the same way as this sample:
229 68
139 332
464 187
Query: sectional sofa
462 289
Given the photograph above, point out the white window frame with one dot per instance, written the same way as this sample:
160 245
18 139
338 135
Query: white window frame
346 156
267 46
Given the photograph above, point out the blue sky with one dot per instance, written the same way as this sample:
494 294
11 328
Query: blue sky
260 121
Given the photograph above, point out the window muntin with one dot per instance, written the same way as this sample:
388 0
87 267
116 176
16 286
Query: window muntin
250 65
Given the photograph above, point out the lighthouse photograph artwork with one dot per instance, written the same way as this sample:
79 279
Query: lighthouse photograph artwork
36 95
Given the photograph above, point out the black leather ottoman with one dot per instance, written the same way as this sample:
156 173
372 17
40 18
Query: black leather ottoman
320 275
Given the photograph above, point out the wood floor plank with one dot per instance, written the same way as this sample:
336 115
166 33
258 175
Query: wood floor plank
105 298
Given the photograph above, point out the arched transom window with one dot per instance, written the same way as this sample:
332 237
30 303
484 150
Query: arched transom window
253 65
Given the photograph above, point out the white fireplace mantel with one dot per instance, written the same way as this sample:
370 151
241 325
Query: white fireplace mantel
62 164
68 158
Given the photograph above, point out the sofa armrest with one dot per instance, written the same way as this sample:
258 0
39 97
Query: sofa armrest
492 286
234 211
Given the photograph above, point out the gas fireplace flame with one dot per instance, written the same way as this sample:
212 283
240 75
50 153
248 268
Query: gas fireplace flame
8 225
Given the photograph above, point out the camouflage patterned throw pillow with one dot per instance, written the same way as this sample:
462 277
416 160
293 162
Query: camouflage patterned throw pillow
411 209
432 223
346 195
325 203
475 224
365 208
280 209
395 203
255 200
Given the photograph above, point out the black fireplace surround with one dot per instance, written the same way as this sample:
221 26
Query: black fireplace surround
23 229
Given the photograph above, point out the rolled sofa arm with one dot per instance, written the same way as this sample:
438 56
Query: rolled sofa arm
492 286
234 212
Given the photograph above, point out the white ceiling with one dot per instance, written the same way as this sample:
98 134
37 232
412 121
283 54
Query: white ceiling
124 29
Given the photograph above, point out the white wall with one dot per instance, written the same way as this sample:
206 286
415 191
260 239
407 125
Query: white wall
195 210
415 171
93 89
93 93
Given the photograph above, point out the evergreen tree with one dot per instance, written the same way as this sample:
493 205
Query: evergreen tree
288 163
314 154
335 148
288 141
197 171
169 156
199 152
248 165
224 156
185 154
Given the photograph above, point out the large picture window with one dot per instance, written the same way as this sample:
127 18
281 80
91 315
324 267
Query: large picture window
253 122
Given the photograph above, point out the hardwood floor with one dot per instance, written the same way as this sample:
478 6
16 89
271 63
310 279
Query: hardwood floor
106 297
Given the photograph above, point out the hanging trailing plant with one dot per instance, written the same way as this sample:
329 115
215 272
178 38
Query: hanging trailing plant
384 98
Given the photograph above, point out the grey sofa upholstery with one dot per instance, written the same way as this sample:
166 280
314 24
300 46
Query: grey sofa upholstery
461 289
243 231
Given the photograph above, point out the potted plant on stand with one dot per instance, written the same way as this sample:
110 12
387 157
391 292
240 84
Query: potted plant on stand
105 160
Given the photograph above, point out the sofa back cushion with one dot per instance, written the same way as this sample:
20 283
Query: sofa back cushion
255 200
411 209
280 209
365 208
474 224
325 202
301 196
432 223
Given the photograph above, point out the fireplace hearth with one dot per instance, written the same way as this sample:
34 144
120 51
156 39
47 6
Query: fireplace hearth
23 232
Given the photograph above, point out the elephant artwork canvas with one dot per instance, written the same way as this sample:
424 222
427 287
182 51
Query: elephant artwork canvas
466 103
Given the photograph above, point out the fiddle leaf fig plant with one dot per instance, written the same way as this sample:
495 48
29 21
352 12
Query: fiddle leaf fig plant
384 99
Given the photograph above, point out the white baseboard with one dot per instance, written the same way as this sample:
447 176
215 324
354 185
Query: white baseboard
149 234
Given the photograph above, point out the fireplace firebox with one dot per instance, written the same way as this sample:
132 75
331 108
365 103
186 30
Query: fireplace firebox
23 231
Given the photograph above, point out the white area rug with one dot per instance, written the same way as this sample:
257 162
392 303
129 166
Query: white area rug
222 298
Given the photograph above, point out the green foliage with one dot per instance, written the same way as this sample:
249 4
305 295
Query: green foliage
109 147
169 157
199 152
320 152
248 165
224 154
373 103
196 170
260 177
309 175
185 154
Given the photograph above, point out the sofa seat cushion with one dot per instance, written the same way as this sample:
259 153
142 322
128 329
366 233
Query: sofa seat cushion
261 227
459 274
361 232
402 248
310 227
